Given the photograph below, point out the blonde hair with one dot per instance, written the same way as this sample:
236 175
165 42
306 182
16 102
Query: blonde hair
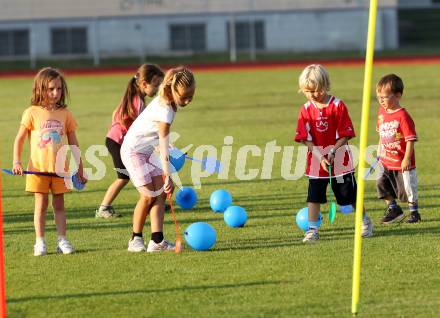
41 84
175 78
314 77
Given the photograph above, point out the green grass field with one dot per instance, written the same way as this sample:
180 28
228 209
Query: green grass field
261 270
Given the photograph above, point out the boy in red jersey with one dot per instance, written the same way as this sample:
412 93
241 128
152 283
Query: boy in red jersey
397 134
325 127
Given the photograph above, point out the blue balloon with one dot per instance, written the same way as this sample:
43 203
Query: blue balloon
302 219
235 216
220 200
186 197
346 209
200 236
177 158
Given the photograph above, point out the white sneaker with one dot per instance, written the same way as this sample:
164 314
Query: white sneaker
160 247
40 248
311 236
65 247
136 244
367 227
107 212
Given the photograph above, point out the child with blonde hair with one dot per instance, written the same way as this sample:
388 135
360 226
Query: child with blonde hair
145 82
153 181
49 124
325 127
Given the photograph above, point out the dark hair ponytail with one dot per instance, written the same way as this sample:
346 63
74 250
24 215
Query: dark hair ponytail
126 112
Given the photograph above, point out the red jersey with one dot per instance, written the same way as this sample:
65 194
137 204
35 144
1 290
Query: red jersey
324 127
395 129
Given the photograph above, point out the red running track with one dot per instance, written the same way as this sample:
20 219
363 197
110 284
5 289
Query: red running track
237 66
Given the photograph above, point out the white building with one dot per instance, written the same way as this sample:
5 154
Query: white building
103 28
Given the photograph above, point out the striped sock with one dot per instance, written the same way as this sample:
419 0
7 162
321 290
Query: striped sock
413 208
392 204
314 225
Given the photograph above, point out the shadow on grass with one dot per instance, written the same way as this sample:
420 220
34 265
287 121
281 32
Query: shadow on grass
224 182
83 251
261 207
23 194
406 229
51 228
153 291
260 243
262 203
125 222
400 229
429 187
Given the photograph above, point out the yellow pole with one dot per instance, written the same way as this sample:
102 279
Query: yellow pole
2 262
363 144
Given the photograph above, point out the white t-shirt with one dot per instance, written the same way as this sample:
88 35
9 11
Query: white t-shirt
143 134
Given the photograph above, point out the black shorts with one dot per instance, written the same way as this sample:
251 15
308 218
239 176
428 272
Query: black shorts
115 151
345 191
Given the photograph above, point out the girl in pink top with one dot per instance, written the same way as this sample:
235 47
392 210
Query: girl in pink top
145 83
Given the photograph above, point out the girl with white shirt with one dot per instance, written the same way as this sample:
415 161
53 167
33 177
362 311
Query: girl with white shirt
149 131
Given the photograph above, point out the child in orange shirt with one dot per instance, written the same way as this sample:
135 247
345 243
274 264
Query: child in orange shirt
48 124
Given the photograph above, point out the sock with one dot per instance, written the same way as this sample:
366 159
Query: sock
104 206
40 240
365 216
157 237
413 208
136 234
314 225
392 204
61 238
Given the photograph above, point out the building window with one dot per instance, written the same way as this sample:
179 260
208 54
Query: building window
69 40
243 31
188 37
413 27
14 42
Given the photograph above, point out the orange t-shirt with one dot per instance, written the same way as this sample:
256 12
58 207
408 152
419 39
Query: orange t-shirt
48 131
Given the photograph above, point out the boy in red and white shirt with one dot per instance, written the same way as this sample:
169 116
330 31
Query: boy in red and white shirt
325 127
397 134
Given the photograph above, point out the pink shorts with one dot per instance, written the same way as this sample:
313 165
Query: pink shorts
141 167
